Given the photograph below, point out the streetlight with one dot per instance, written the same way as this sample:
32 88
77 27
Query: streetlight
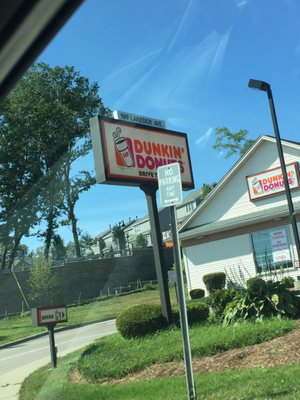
265 87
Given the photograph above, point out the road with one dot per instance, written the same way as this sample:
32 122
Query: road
20 360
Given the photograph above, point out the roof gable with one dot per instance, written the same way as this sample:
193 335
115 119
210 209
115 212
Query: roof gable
229 198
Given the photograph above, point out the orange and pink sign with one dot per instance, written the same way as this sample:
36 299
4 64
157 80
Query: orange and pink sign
269 183
129 154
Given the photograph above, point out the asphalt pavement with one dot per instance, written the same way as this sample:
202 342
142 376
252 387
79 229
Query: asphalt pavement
20 359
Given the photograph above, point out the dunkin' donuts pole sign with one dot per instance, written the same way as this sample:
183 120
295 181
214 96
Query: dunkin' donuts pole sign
129 154
269 183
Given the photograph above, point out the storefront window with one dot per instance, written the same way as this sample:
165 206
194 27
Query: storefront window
271 249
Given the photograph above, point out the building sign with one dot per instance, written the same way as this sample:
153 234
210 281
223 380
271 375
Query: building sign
280 245
269 183
49 315
139 119
129 154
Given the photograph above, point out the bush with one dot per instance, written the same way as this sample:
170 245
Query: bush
219 300
214 281
256 286
140 320
288 281
197 312
262 299
150 286
197 293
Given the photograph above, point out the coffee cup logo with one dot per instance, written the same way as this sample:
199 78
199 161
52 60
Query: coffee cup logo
121 145
257 186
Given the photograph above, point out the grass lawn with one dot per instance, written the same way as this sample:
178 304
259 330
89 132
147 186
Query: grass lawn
18 327
253 384
113 356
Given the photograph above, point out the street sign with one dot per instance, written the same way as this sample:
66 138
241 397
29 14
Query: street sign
49 315
140 119
169 184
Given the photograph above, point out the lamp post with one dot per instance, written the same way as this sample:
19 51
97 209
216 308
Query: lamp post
265 87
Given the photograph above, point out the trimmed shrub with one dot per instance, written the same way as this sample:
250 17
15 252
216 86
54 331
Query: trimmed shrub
256 286
219 300
287 281
214 281
197 293
197 312
140 320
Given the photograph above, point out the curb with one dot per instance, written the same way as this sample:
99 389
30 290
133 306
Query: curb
64 328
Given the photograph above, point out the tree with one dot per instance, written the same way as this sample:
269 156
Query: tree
206 189
58 248
86 243
43 283
232 142
140 242
118 237
73 187
43 121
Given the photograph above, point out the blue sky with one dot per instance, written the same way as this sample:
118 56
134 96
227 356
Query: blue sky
187 62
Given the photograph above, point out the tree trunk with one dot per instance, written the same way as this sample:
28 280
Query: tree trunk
17 241
73 220
49 232
4 255
70 210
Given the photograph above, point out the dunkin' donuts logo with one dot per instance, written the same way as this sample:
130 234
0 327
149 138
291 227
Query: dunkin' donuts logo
123 149
271 182
145 154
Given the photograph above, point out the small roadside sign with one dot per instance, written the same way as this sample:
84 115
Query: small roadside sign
169 184
49 315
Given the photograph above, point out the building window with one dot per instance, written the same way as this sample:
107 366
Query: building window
271 249
189 207
137 228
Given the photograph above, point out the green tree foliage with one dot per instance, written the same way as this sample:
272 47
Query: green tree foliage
118 237
58 249
232 142
206 189
86 243
44 129
140 242
43 284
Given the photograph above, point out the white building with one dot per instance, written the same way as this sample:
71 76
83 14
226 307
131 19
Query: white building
141 226
243 226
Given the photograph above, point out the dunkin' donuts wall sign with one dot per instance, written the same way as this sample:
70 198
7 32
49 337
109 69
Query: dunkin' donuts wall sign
269 183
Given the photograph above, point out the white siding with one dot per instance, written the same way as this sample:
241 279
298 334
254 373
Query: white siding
233 200
217 257
227 255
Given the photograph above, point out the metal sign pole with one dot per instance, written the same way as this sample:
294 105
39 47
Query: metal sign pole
160 265
182 309
53 351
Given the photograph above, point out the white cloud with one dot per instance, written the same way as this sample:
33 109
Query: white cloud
202 140
241 3
179 29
